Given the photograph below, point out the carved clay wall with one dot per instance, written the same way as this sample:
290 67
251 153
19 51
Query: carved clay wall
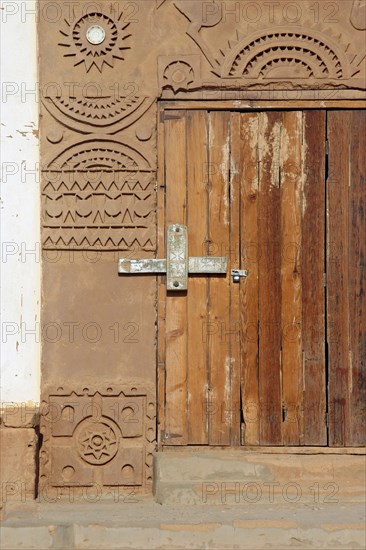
103 67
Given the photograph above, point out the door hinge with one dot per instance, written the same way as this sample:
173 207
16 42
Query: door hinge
327 148
327 420
324 279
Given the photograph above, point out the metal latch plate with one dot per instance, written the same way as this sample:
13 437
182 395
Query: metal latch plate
177 258
177 265
141 266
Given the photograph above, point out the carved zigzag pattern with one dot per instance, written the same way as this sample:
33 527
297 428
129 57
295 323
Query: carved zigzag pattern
99 237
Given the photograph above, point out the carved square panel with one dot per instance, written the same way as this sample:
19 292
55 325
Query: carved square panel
97 437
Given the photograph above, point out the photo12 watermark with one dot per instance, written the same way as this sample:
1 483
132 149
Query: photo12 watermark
270 492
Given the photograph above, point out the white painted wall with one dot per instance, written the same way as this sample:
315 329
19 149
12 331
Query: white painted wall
20 205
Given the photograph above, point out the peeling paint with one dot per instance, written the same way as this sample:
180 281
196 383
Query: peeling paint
304 154
225 173
263 149
24 134
275 145
227 388
251 135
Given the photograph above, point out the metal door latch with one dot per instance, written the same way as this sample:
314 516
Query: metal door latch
237 274
177 264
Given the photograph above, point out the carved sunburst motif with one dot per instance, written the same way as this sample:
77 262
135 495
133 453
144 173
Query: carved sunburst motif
109 37
283 52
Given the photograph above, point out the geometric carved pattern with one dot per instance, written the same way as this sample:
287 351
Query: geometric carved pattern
109 114
179 73
301 53
103 53
99 153
286 52
97 437
98 209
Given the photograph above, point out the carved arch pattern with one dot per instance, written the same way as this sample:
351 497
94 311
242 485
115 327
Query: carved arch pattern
304 56
286 53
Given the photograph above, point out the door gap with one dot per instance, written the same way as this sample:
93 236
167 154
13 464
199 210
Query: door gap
326 252
241 417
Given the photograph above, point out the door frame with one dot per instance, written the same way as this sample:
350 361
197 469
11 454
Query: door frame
220 105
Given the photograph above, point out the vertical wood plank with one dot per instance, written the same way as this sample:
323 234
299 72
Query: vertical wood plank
339 136
176 305
357 280
269 231
219 287
161 284
291 288
234 263
313 258
197 168
249 298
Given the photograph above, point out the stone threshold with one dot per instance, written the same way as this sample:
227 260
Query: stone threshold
232 476
145 524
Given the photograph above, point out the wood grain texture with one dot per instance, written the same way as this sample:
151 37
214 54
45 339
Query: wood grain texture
219 287
346 278
249 298
161 285
291 273
234 262
339 135
357 279
176 303
269 231
313 257
197 296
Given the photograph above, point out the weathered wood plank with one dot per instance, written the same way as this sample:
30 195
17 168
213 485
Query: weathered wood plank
313 292
249 314
291 288
339 136
219 287
269 231
161 284
357 280
233 257
176 305
197 164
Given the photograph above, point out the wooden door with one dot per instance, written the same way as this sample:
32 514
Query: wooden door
246 363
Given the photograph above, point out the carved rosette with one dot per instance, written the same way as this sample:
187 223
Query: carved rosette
95 39
179 74
98 438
